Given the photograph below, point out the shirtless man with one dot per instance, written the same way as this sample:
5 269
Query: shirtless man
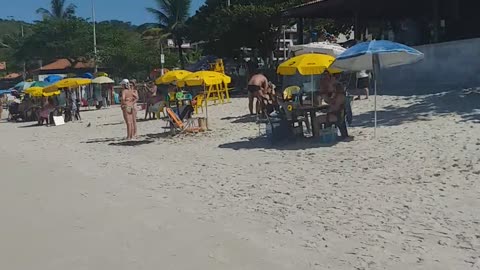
258 88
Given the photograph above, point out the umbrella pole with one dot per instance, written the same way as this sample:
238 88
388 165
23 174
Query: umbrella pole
205 98
375 106
376 71
311 86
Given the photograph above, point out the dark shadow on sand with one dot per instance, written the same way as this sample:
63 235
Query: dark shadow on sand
32 125
248 118
466 106
104 140
131 143
120 141
112 124
264 143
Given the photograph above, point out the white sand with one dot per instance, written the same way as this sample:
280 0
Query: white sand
75 197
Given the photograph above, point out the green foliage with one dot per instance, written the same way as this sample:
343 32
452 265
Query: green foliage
121 48
52 39
246 23
58 10
171 16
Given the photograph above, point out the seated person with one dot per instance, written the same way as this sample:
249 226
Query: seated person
336 111
44 113
327 82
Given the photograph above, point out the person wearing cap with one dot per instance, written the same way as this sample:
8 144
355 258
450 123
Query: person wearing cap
128 105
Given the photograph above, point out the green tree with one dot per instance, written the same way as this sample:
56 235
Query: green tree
172 16
155 37
256 24
58 10
53 39
246 23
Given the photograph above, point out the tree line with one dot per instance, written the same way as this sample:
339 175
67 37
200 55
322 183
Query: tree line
129 50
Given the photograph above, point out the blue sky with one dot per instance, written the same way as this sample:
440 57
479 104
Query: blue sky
124 10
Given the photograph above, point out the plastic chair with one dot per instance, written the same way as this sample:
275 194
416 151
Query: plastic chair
198 103
171 98
290 91
158 108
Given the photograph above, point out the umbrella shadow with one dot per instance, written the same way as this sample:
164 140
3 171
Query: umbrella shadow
466 106
265 143
120 141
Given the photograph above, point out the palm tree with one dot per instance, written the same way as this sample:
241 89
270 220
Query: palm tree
171 16
58 10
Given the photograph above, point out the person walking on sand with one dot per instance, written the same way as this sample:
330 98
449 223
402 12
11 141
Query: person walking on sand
1 106
257 88
363 80
128 103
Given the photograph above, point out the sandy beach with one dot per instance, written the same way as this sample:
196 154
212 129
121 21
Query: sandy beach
78 196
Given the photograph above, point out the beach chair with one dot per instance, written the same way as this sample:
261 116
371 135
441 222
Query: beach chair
178 126
157 108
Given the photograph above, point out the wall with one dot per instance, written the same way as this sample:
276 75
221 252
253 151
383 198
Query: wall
449 65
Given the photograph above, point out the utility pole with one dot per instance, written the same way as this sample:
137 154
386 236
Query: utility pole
94 37
162 57
24 64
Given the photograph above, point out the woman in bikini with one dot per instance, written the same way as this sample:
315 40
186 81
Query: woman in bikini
133 86
129 100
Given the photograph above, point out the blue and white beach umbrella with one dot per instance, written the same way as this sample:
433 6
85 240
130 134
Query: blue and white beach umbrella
374 56
390 54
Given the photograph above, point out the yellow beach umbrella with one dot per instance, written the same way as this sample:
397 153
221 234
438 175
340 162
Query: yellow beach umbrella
204 78
67 83
50 89
72 82
34 90
39 92
307 64
172 76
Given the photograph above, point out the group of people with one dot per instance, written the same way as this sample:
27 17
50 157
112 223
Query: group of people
331 92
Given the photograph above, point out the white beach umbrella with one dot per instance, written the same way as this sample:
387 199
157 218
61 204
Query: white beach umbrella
102 80
328 48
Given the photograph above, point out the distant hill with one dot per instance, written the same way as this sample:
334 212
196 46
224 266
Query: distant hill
13 27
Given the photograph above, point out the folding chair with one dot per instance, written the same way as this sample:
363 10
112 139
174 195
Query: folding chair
176 124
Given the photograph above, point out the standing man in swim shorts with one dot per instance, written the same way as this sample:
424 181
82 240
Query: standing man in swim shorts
257 87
